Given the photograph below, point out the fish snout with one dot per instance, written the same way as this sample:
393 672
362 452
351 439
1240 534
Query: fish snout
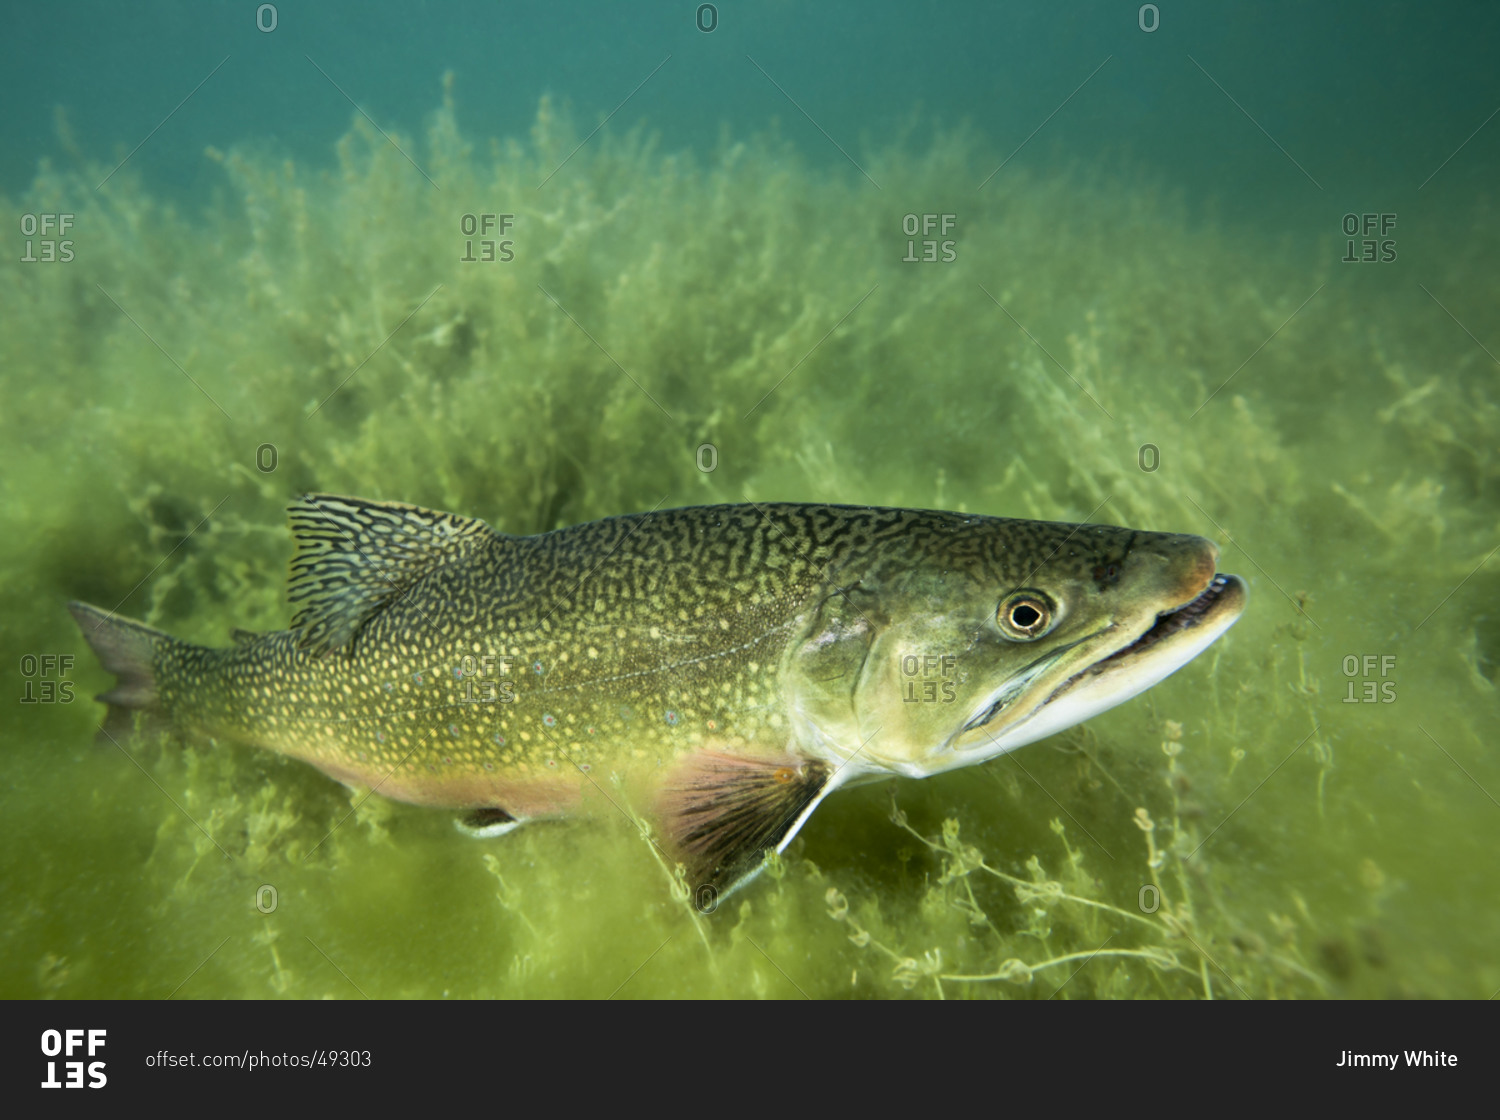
1193 561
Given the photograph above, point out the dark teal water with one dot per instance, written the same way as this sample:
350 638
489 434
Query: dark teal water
1368 98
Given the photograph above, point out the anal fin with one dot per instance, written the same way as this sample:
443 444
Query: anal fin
723 813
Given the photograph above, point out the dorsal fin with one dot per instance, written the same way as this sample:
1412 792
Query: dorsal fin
355 557
243 637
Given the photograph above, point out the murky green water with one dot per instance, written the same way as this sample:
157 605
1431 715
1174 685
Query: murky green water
1305 811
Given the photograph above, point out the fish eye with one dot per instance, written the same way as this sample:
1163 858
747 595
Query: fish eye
1024 615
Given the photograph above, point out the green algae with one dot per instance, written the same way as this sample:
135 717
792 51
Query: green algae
1243 830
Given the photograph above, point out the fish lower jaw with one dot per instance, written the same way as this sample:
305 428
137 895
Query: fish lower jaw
1176 639
1005 696
1015 735
1212 611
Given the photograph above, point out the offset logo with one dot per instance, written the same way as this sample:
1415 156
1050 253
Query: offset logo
1371 232
941 248
66 1044
489 228
928 678
1361 673
44 678
51 247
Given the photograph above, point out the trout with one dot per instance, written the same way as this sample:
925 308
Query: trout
721 668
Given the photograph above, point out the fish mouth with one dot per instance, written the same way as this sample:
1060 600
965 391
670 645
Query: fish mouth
1211 611
1191 614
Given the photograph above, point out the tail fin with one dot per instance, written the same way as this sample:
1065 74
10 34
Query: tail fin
128 650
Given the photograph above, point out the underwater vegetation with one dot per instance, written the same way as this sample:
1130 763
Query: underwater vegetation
1255 826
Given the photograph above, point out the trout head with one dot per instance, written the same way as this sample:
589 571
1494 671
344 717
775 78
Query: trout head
979 635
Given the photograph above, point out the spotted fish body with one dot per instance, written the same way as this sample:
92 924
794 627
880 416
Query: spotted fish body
724 666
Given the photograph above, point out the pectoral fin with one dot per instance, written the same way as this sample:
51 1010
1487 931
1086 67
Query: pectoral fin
722 813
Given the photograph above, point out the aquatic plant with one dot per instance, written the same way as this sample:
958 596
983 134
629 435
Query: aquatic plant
1240 831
